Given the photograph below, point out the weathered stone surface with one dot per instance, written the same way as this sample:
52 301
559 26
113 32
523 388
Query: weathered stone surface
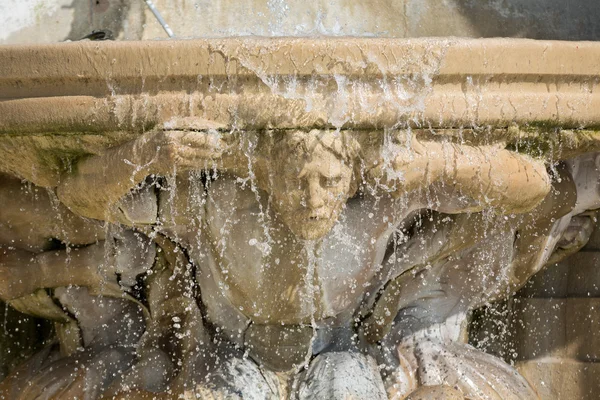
270 205
460 93
554 327
584 274
542 327
562 378
550 282
350 376
583 317
109 92
436 392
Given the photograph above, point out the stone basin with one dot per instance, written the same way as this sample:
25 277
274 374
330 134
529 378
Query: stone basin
103 92
344 206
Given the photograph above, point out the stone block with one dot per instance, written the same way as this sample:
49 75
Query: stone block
540 327
583 323
551 281
594 241
584 274
556 379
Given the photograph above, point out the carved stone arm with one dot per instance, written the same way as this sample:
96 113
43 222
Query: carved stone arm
453 178
31 218
24 272
95 266
97 183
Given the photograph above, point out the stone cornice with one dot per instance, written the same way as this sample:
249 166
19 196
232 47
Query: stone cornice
299 83
63 101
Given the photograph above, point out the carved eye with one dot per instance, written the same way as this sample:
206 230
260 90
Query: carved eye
331 181
296 184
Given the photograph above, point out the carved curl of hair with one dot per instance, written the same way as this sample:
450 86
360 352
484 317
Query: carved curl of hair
341 144
274 145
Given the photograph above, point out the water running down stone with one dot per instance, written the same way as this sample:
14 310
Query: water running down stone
286 218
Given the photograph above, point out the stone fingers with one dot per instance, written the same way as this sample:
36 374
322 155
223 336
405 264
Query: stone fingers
190 150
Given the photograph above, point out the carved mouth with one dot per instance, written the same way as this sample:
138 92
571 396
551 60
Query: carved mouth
317 218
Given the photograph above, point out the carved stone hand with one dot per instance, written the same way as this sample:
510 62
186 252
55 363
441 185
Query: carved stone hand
168 150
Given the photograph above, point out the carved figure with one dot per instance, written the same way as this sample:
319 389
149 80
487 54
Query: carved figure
282 244
96 322
268 255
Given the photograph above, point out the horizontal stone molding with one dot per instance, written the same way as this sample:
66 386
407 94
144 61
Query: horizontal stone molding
291 83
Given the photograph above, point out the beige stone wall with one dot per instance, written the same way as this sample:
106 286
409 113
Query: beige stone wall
549 330
43 21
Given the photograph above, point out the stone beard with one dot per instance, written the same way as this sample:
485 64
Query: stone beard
299 269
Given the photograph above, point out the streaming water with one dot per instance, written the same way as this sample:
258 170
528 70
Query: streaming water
289 234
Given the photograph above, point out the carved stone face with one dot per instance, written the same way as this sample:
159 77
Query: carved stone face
310 191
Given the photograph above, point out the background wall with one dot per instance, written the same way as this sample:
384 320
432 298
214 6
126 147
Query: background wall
42 21
549 329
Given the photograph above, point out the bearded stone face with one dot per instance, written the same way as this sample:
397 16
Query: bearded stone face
310 190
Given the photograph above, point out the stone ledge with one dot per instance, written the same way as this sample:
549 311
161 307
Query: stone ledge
299 83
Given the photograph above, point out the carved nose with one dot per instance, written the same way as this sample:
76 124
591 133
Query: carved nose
315 197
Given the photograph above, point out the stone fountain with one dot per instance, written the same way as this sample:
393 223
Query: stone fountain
286 218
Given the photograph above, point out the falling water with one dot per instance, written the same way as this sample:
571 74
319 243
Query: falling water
279 217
